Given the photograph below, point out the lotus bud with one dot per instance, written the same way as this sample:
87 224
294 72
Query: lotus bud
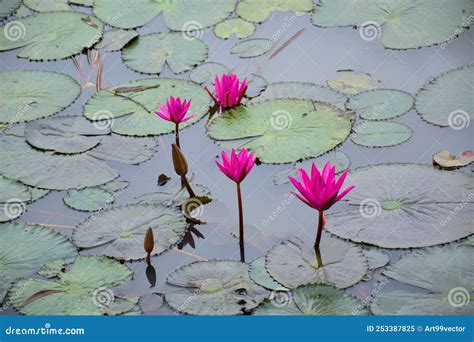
179 161
149 243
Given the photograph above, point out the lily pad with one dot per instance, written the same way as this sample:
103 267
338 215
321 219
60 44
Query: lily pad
50 171
116 39
252 47
446 161
411 206
86 289
22 12
131 107
259 11
47 5
293 264
352 82
7 7
446 100
115 186
178 15
32 94
123 230
381 104
206 72
37 193
283 131
405 25
51 35
241 28
24 249
316 300
52 269
174 197
13 197
380 133
88 199
215 287
258 273
132 150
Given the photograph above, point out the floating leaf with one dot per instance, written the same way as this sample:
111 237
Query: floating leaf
88 199
131 107
32 94
37 193
51 35
411 206
47 5
22 12
283 131
52 269
405 25
448 162
381 104
115 186
123 229
252 47
24 249
258 273
116 39
132 150
86 289
216 287
176 197
446 100
10 189
206 72
351 82
7 7
380 133
241 28
260 11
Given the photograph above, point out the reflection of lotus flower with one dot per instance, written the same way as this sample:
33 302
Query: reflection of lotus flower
237 166
175 110
228 92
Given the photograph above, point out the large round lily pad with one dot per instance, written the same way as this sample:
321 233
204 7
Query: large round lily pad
216 287
24 249
51 35
123 230
411 206
259 274
292 263
446 100
88 199
86 289
131 107
257 12
32 94
284 130
402 25
352 82
47 5
151 52
380 133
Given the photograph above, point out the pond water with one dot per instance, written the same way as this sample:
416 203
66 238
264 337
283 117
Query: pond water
271 216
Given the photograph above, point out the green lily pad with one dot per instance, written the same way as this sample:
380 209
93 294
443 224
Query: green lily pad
37 193
131 107
13 197
50 171
52 269
175 197
22 12
411 206
316 300
115 186
86 289
352 82
24 249
339 159
206 72
241 28
405 25
445 272
446 100
88 199
47 5
381 104
252 47
293 264
215 287
380 133
132 150
32 94
123 230
283 131
258 273
51 35
178 15
7 7
258 12
116 39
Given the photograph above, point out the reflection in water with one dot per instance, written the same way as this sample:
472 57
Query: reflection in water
188 238
151 274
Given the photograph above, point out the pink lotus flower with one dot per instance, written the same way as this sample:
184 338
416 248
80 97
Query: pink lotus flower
228 92
175 110
237 166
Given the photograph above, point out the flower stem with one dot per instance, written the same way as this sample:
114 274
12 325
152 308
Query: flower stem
320 229
184 181
241 216
177 135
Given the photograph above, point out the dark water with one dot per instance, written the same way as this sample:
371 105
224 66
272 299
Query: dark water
315 56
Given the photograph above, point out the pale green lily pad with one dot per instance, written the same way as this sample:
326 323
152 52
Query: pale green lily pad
447 99
52 269
376 258
352 82
411 206
175 197
47 5
178 15
7 7
13 198
215 287
32 94
316 300
284 130
51 35
123 230
445 272
446 161
86 289
50 171
259 11
292 263
401 24
380 133
115 186
129 150
252 47
24 249
241 28
88 199
116 39
381 104
37 193
339 159
131 106
258 273
23 11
